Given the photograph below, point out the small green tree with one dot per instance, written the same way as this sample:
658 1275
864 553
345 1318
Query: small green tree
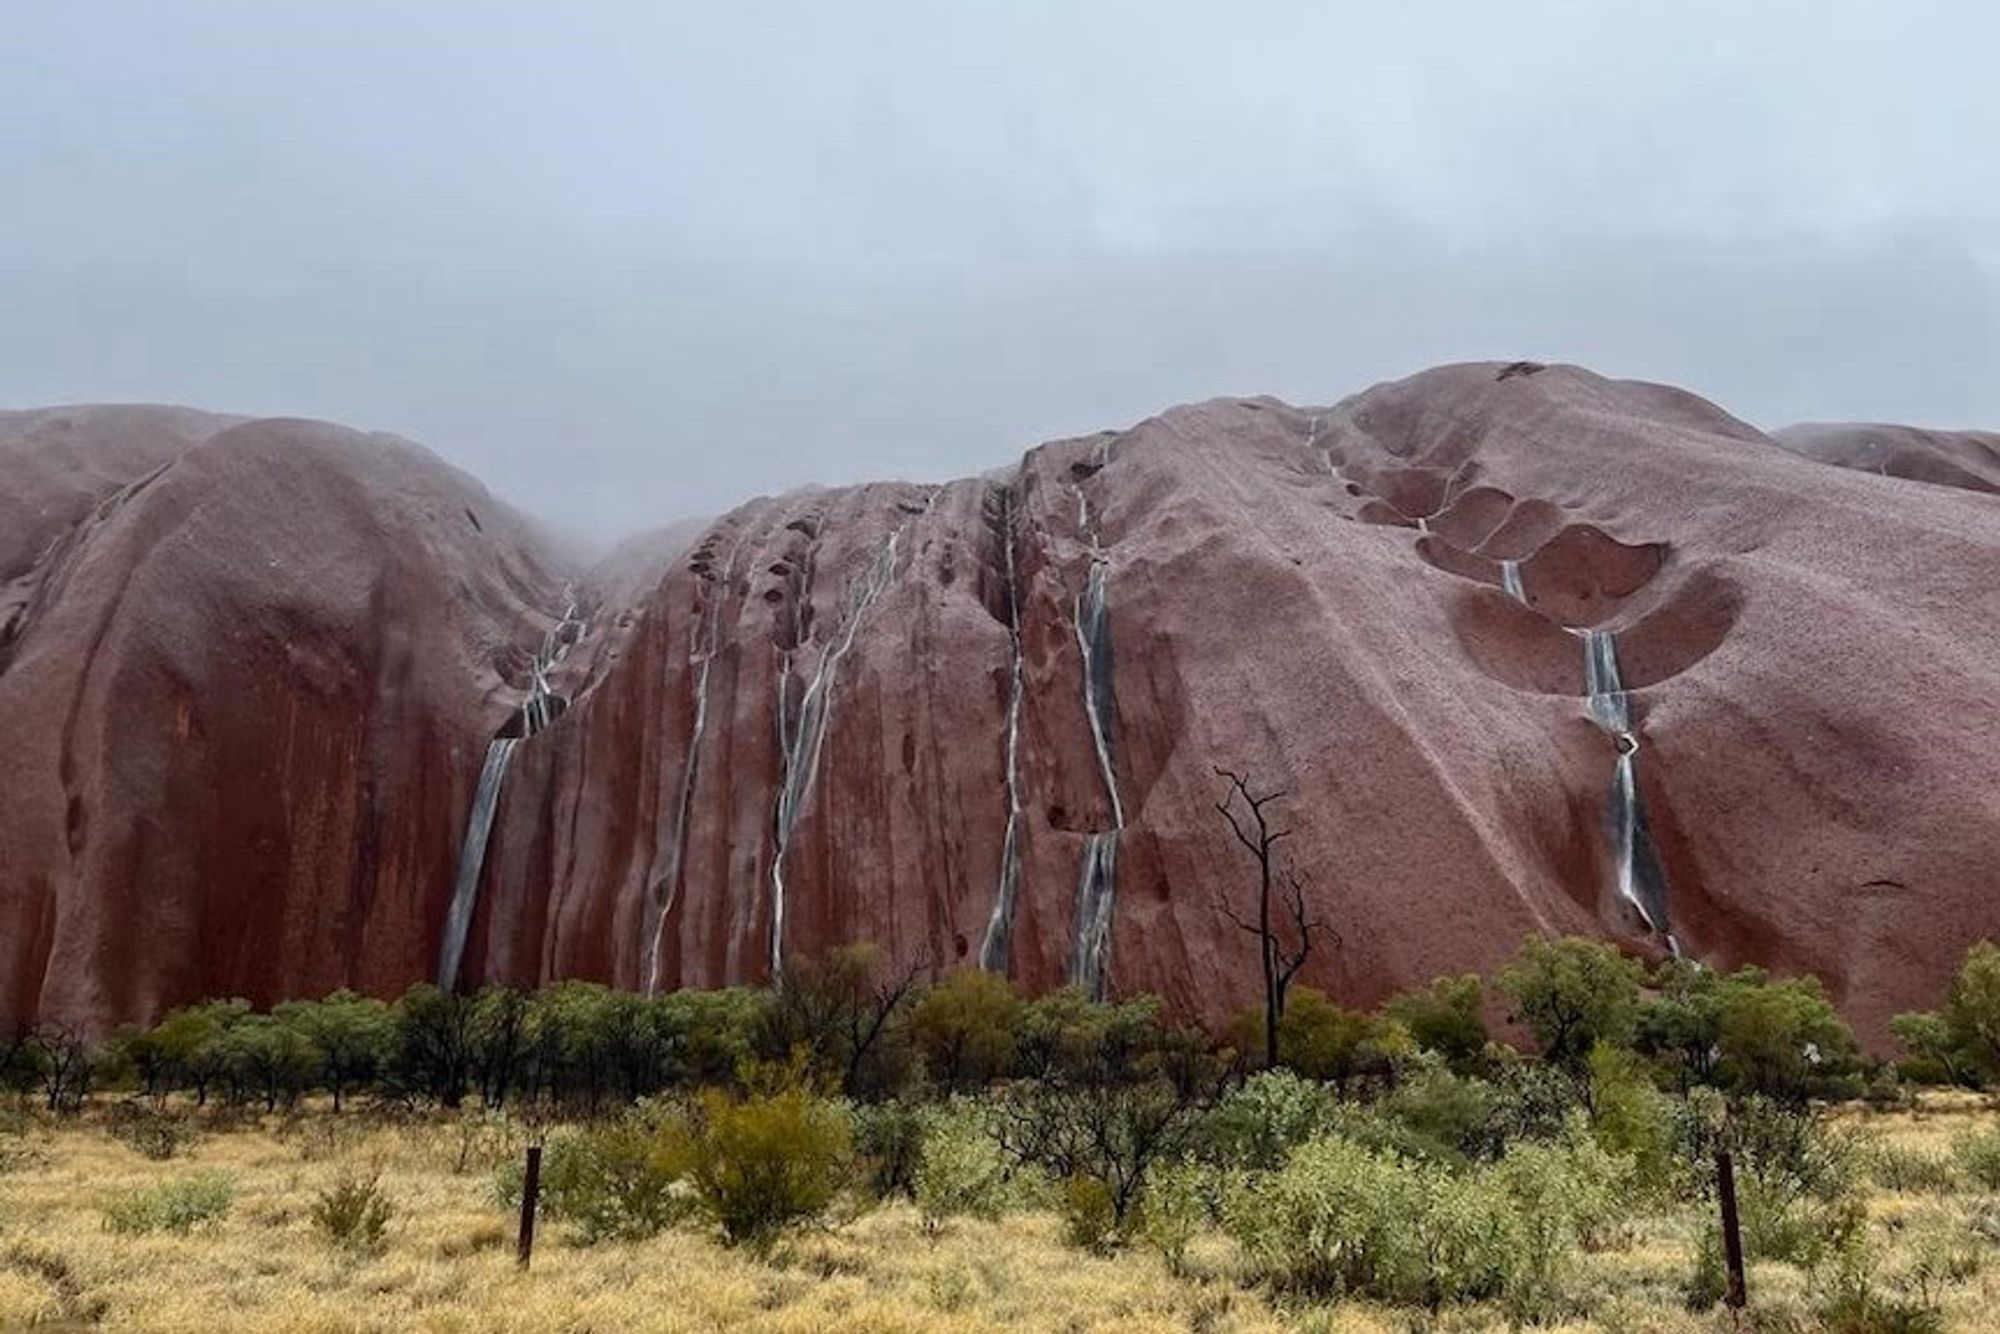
961 1169
964 1028
1445 1017
192 1041
271 1059
1782 1039
1972 1009
432 1050
1573 993
763 1164
1935 1053
350 1032
1321 1040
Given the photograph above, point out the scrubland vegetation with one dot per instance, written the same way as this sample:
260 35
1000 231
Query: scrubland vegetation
851 1150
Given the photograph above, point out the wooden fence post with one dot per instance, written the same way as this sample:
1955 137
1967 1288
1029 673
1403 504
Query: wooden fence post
531 1189
1732 1233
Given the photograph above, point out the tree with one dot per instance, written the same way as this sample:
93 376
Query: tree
1680 1023
1972 1008
964 1028
1935 1054
432 1050
67 1064
839 1005
1323 1041
351 1033
1782 1039
1283 929
710 1034
1573 993
1445 1017
192 1042
273 1058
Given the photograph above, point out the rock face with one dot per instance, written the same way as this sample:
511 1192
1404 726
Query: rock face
246 670
1530 650
1969 459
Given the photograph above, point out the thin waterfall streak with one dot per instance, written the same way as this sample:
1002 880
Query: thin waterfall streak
802 743
1093 641
1097 881
472 858
667 889
1510 579
1097 884
1611 708
996 948
1608 704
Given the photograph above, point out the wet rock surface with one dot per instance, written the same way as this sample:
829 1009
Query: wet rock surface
250 701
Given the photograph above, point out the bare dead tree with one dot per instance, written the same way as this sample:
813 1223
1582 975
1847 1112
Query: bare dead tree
1284 929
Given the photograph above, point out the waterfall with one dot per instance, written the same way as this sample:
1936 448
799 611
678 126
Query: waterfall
1090 957
472 858
666 886
1608 704
801 737
995 951
1097 883
1638 877
1510 579
538 709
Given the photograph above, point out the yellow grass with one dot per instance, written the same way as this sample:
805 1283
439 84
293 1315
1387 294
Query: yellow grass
448 1264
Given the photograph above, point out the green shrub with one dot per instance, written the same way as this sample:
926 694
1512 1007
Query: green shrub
961 1171
1173 1208
1978 1154
150 1132
1448 1118
1258 1124
618 1181
1564 1193
1869 1312
172 1206
1335 1219
1089 1213
889 1141
1894 1167
763 1165
1446 1017
1709 1281
353 1213
1944 1254
1630 1116
1468 1234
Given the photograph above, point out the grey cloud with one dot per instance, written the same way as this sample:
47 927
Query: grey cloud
630 262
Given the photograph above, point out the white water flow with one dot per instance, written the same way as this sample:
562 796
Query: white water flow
537 711
995 950
1510 579
1637 876
472 858
1097 880
666 886
800 738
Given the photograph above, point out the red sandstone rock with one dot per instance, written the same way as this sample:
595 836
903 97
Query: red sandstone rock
1312 595
1969 459
244 691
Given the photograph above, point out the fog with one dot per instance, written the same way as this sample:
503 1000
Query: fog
629 263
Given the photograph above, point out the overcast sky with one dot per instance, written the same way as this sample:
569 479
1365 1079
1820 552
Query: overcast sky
634 262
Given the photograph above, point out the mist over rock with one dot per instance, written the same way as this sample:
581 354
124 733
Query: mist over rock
1969 459
1530 650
